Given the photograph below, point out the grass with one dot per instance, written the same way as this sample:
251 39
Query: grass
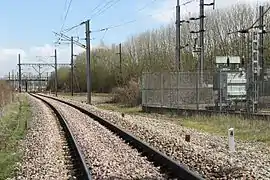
13 127
120 108
245 129
84 94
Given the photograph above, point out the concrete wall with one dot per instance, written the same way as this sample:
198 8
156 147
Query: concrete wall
175 89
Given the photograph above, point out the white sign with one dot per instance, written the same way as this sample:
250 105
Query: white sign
232 59
231 140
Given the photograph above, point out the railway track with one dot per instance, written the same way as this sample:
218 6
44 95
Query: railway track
79 167
171 168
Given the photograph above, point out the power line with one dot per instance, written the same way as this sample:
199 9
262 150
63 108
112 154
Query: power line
106 4
252 26
122 24
101 2
73 27
65 37
65 4
152 1
104 35
65 18
135 20
105 7
145 6
259 18
127 22
115 26
186 3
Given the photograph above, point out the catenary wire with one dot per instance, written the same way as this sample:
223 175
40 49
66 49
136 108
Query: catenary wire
107 6
65 17
124 23
132 21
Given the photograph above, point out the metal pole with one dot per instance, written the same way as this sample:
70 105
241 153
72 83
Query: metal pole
88 61
197 85
52 84
177 48
261 61
196 50
26 86
72 66
201 39
47 83
220 94
55 69
20 74
9 83
17 80
243 39
39 77
120 58
249 77
13 80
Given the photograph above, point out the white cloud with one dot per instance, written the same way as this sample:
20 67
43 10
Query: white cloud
38 54
165 12
11 52
8 59
46 51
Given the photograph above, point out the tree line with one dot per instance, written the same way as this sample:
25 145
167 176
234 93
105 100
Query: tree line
154 50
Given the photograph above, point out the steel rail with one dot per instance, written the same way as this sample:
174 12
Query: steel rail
81 170
169 166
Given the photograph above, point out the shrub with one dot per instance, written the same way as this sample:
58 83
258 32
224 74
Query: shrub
128 95
5 93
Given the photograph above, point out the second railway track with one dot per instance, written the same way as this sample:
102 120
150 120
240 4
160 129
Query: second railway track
79 169
149 170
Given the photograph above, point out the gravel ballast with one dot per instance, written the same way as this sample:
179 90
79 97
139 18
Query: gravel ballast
108 156
43 149
206 154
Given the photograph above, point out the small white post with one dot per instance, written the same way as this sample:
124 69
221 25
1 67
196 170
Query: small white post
231 140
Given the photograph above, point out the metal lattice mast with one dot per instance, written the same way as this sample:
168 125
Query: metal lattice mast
201 56
177 47
253 74
261 50
256 69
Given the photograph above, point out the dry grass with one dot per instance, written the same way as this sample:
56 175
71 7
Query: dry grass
121 108
6 94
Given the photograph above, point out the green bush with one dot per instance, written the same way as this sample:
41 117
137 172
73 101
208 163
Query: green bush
128 95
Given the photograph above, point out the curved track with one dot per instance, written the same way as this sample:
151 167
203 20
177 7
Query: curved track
80 168
168 166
